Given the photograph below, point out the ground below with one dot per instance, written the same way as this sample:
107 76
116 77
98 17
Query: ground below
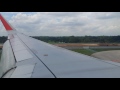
112 55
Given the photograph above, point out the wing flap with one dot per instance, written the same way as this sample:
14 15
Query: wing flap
23 71
24 56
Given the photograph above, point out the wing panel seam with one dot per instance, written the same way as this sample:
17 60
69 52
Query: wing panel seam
39 58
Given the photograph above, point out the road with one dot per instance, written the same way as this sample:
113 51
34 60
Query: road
112 55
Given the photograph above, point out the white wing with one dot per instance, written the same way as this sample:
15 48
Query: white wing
26 57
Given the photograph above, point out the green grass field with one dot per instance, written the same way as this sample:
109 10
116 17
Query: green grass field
83 51
90 52
99 50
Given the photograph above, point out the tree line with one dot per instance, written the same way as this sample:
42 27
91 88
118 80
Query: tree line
74 39
80 39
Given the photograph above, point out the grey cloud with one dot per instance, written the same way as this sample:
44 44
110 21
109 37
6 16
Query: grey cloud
108 15
64 14
66 23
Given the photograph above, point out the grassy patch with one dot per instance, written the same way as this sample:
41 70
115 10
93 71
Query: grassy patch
51 42
83 51
90 52
107 49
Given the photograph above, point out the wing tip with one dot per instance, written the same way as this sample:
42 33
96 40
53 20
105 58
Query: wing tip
5 23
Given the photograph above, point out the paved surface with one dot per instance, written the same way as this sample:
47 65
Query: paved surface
113 55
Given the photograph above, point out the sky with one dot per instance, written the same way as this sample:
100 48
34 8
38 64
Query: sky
63 23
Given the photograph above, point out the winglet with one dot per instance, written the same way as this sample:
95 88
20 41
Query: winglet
5 23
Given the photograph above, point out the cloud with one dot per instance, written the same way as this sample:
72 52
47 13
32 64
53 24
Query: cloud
64 23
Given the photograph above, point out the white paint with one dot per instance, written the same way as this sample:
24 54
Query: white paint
22 55
24 71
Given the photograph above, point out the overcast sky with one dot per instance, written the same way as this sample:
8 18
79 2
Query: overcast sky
63 23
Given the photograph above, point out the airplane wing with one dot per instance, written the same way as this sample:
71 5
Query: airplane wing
26 57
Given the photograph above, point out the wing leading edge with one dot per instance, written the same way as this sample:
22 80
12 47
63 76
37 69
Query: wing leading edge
31 58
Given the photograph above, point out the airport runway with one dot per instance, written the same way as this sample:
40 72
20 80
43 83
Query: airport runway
113 55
